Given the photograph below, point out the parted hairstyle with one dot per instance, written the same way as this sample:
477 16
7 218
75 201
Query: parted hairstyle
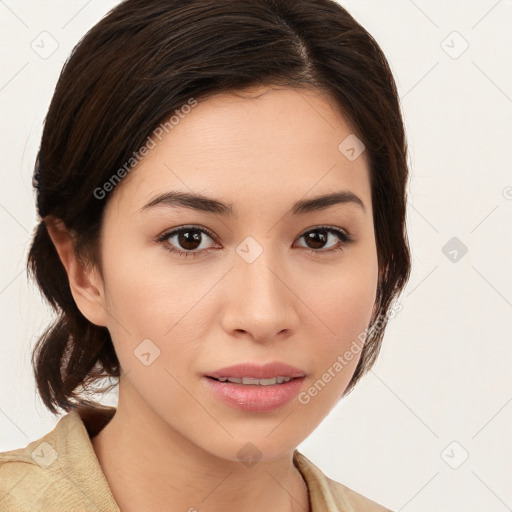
141 64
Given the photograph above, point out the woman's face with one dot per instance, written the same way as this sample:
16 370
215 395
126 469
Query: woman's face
263 283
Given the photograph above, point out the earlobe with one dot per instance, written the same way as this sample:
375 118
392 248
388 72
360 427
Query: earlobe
85 282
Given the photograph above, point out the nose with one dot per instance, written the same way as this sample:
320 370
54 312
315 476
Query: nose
261 304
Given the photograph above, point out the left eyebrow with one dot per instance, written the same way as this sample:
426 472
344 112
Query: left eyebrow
202 203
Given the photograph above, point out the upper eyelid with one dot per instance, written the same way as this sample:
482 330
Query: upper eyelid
208 231
167 234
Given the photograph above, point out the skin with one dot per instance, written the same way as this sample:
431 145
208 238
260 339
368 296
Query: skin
171 440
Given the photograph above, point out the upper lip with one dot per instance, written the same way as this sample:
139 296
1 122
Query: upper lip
256 371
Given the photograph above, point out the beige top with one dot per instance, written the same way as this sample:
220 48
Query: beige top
60 473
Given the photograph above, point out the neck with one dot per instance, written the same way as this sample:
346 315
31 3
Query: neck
149 465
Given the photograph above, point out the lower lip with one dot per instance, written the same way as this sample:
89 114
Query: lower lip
255 398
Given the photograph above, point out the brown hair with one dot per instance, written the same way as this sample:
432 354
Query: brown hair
139 65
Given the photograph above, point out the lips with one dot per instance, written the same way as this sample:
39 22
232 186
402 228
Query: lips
255 388
248 371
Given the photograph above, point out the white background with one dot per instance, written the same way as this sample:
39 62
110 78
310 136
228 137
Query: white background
444 374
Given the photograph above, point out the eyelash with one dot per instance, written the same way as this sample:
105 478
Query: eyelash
346 239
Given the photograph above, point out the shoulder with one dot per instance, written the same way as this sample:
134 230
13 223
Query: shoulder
331 496
56 472
28 473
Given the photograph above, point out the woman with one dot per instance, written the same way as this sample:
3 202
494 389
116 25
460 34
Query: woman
222 189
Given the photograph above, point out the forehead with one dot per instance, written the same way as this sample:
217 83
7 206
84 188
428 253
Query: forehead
263 142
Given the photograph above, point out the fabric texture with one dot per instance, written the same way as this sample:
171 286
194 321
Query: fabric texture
60 473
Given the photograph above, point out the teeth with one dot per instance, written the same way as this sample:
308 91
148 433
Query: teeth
257 382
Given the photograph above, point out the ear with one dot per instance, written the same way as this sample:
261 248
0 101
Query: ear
85 283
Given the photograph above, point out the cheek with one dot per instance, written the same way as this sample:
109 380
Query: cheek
353 301
344 298
343 306
140 305
141 292
151 300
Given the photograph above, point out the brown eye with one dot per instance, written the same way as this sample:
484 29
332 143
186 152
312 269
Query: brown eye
188 241
316 239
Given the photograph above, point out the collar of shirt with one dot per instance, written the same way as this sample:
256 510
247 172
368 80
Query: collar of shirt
60 472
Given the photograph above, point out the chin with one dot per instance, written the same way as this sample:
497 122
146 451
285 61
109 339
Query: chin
249 450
